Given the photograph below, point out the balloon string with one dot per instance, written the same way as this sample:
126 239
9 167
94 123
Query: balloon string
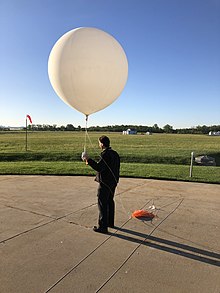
86 132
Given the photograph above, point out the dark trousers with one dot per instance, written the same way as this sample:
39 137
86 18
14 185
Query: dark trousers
106 205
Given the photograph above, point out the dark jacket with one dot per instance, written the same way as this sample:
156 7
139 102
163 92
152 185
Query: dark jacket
107 167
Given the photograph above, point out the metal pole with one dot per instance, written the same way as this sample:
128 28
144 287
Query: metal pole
26 133
191 164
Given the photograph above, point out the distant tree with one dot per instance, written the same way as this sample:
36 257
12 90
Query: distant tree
155 128
62 127
214 128
39 127
168 128
70 127
203 129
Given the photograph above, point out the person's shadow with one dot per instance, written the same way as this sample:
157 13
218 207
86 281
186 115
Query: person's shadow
180 249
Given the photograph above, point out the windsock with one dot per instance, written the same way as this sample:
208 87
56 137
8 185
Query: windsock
29 117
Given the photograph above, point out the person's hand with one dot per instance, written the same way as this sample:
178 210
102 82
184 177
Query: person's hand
84 156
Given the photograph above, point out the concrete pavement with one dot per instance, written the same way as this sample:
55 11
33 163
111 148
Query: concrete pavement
47 243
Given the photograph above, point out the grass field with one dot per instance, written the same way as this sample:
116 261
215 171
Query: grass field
164 156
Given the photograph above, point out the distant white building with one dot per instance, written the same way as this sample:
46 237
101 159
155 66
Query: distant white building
213 133
16 128
129 131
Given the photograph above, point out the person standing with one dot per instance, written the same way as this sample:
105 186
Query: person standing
108 169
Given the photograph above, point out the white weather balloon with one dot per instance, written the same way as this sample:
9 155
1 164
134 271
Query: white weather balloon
88 69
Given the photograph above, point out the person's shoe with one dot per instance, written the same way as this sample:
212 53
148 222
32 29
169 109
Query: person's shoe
100 230
111 226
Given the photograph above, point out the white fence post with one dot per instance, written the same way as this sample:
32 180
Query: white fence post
191 165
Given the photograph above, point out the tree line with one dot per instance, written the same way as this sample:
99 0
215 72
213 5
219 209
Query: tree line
120 128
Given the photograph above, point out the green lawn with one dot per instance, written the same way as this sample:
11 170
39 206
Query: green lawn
163 156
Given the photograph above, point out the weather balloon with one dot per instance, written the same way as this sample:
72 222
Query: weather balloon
88 69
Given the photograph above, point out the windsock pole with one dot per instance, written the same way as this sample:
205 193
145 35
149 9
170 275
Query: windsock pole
26 133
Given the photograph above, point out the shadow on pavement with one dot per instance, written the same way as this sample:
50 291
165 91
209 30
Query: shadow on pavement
180 249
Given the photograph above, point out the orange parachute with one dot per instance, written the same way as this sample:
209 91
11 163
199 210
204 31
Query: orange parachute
143 214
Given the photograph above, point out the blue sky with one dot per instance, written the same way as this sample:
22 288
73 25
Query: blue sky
172 46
